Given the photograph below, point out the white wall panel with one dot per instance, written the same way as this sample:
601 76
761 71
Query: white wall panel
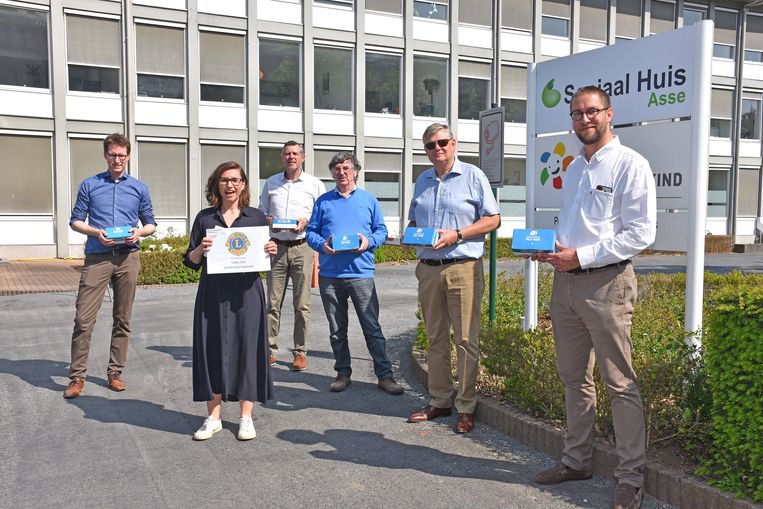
168 4
749 148
227 8
720 147
723 67
554 46
430 30
469 130
329 17
332 122
282 12
222 117
279 120
27 231
26 103
384 24
520 42
160 112
385 126
96 108
475 36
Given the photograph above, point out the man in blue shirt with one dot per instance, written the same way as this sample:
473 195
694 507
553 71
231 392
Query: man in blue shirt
347 211
108 200
455 198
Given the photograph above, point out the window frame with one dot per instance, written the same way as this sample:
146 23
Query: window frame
209 84
399 82
46 11
184 87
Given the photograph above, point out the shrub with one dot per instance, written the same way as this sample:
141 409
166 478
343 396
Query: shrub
733 360
164 265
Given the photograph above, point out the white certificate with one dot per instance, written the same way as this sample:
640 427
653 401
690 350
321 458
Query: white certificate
238 250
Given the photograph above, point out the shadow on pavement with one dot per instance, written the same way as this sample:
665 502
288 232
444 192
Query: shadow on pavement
37 372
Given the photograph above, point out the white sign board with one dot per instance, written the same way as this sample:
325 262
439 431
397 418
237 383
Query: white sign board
491 145
647 79
238 250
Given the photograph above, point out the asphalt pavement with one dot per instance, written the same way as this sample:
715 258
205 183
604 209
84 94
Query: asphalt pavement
313 448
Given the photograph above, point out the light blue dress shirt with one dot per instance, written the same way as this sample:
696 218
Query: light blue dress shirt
455 202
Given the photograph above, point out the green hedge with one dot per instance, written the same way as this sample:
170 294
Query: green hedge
734 364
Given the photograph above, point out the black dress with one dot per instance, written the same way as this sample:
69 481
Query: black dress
230 338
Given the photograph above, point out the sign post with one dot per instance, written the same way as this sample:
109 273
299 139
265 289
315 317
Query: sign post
646 85
491 162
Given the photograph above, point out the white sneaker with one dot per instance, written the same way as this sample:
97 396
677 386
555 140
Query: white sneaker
209 428
246 428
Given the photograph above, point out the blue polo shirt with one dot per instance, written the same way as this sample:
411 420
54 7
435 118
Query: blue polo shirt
359 212
457 201
103 202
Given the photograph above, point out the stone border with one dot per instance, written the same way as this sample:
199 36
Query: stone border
663 483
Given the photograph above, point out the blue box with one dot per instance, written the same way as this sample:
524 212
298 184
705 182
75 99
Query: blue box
118 234
284 224
533 241
345 241
417 236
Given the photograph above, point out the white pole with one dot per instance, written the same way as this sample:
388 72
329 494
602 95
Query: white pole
700 132
531 267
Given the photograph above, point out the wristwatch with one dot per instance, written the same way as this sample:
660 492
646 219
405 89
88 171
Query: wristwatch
459 237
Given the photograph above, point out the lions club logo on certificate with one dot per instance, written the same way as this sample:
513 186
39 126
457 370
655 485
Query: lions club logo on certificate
237 243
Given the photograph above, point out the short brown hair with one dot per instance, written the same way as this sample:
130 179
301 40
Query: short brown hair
120 140
592 89
292 143
212 191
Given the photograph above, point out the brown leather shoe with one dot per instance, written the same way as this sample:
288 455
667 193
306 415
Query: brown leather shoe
116 383
560 473
627 497
272 359
429 413
464 422
300 362
76 386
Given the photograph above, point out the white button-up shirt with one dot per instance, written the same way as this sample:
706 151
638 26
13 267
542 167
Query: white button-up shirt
609 206
290 199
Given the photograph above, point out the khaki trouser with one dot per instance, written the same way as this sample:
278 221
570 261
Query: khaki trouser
295 262
451 295
591 314
122 270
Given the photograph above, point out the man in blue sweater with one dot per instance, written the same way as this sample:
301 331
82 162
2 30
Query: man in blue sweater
337 217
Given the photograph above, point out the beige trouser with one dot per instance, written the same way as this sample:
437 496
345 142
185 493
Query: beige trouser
451 295
591 314
122 270
295 262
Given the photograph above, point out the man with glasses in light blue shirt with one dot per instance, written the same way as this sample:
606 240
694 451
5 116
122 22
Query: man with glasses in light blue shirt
110 199
455 198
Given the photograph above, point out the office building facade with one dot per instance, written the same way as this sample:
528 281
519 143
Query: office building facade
197 82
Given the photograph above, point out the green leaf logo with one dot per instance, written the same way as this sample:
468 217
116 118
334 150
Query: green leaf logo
550 96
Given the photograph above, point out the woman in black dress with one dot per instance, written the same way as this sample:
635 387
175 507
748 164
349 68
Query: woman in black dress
230 341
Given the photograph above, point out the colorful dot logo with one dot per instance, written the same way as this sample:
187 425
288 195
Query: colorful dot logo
555 163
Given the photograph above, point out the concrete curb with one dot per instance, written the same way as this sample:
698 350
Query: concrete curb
663 483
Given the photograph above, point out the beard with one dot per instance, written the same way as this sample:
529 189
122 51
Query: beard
588 136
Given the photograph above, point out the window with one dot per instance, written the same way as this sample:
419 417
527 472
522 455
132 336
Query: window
321 158
383 83
511 197
663 16
514 93
27 175
430 87
85 160
750 124
721 105
160 61
212 155
270 164
223 67
336 3
628 19
473 89
431 10
385 185
725 34
593 20
693 15
556 18
93 67
517 14
421 163
391 6
476 12
333 78
717 193
280 73
162 167
753 40
749 183
23 48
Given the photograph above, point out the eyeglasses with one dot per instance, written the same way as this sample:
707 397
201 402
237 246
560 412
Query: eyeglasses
235 181
441 143
121 157
591 113
340 169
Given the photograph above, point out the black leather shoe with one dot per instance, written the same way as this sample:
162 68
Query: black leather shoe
340 384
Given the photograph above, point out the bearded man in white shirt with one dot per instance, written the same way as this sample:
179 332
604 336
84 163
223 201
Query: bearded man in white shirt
608 215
